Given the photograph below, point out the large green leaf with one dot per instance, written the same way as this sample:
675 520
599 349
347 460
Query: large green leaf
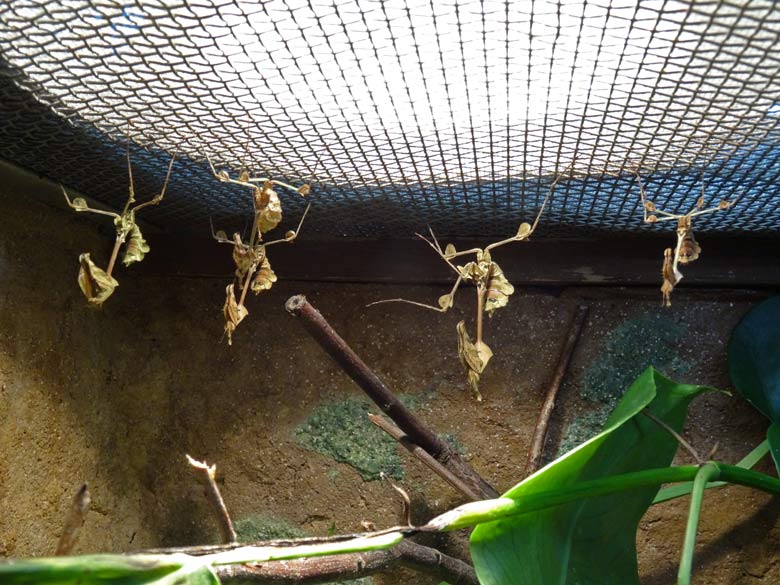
754 364
176 569
592 541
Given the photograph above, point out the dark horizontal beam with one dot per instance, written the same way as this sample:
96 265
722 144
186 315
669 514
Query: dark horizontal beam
624 261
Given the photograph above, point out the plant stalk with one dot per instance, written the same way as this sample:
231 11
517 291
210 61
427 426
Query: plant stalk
706 473
488 510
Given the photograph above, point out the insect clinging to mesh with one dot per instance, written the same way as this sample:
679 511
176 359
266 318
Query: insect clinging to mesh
98 284
687 249
253 269
493 291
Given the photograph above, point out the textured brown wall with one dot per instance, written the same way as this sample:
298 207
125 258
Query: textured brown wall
116 397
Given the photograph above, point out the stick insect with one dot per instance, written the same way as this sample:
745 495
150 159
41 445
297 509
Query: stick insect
253 269
687 248
493 291
98 284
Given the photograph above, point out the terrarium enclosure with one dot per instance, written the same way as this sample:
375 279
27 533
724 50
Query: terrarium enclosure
491 203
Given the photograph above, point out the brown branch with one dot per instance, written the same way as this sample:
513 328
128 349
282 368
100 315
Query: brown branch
364 377
352 566
207 477
439 469
431 561
543 422
74 521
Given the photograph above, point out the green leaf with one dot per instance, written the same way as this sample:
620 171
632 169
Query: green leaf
754 358
591 541
754 365
109 570
773 438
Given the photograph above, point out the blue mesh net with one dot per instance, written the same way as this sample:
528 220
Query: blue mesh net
403 113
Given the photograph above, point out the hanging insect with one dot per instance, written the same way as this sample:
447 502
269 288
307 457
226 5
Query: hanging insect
687 249
493 291
253 269
98 284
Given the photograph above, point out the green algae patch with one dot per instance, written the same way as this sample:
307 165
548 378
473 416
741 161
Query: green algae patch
258 528
648 340
583 427
342 431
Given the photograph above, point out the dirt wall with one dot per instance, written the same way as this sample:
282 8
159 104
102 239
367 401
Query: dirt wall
116 397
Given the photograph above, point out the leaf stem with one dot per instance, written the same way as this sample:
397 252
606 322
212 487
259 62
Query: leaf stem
488 510
707 472
260 554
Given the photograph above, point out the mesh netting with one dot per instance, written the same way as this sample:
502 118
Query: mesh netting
455 114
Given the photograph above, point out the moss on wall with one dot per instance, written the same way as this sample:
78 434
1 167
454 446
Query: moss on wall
341 430
258 528
648 339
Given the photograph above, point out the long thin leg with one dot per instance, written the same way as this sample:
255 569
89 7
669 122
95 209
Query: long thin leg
415 303
223 177
157 198
656 212
441 254
250 182
549 194
129 166
525 235
88 209
275 182
719 207
462 253
214 235
667 216
131 196
295 232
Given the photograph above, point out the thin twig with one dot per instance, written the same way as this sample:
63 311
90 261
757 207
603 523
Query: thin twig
207 477
543 422
685 444
74 521
407 501
439 469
